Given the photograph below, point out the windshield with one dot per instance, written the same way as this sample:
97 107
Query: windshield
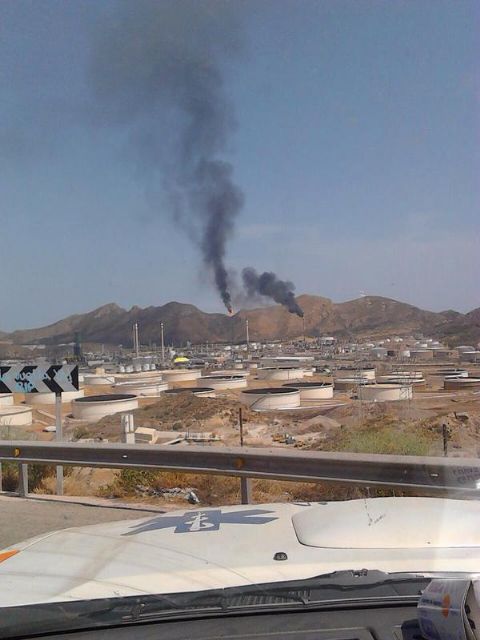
240 323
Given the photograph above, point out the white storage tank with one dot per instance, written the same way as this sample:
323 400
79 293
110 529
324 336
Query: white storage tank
200 392
347 384
16 416
385 392
357 372
146 387
49 398
141 377
313 390
407 375
223 382
271 398
172 376
6 399
453 373
391 379
97 407
91 379
455 384
280 373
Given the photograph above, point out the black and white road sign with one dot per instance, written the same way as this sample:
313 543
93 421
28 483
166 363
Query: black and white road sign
39 379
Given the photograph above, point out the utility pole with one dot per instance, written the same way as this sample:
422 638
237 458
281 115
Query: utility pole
59 438
445 439
163 345
245 484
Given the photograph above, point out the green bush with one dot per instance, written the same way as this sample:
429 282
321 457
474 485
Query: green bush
387 442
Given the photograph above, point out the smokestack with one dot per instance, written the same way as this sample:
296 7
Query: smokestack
136 345
267 284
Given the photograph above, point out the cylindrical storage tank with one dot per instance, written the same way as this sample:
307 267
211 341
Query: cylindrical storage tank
358 372
347 384
16 416
121 369
220 383
49 398
406 375
308 373
231 372
172 376
98 379
129 368
137 367
142 387
385 392
200 392
271 398
457 373
453 384
314 390
6 399
140 377
252 365
417 382
97 407
280 373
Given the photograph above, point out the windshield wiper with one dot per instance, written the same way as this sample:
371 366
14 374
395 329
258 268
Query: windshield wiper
337 589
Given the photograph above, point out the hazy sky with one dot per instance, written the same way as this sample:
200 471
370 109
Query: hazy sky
357 148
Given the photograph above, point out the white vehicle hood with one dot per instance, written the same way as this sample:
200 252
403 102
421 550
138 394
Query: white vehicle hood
233 546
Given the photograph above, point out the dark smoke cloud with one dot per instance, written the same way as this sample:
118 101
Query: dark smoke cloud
267 284
156 70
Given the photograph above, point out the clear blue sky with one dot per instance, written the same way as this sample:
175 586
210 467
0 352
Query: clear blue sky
357 148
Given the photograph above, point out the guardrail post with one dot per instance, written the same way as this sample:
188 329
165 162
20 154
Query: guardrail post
1 478
246 490
23 480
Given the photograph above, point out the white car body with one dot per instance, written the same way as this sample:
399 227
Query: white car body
233 546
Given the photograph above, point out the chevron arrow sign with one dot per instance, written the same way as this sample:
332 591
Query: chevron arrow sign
39 379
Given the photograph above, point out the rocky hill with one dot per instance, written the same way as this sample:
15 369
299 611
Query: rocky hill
369 315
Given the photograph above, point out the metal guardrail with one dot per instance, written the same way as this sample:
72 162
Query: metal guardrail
456 476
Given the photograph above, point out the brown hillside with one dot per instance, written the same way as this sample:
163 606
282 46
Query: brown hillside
370 315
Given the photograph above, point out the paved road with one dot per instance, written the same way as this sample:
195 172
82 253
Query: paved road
22 518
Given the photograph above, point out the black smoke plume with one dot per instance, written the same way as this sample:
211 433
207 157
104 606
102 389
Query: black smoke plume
156 71
267 284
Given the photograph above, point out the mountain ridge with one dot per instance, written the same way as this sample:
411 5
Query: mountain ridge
368 315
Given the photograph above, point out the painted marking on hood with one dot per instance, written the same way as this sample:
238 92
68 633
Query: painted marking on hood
194 521
8 554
